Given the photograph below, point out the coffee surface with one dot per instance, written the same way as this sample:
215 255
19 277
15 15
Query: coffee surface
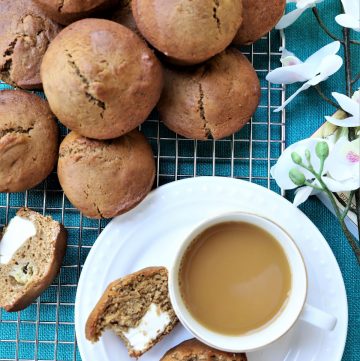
234 278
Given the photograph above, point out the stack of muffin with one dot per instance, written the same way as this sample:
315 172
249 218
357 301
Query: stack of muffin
102 78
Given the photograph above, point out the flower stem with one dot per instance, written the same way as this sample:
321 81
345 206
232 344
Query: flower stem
343 203
357 205
356 78
352 41
328 100
340 216
347 56
352 241
348 205
323 26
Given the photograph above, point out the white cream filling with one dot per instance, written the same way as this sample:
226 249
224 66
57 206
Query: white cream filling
153 323
16 233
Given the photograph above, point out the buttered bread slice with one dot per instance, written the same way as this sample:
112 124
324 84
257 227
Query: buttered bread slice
137 308
32 247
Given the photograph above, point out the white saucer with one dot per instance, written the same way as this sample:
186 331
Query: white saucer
146 236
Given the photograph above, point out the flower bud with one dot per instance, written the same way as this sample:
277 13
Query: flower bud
297 177
322 150
296 158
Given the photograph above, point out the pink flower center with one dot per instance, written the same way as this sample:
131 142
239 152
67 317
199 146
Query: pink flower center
352 157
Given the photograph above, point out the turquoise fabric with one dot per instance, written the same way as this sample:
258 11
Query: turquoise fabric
304 115
45 330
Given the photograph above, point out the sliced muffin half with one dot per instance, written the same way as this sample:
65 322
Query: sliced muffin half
137 308
32 247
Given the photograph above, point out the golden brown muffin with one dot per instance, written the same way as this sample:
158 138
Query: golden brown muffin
193 350
100 78
128 304
259 17
67 11
123 15
35 264
186 31
214 99
25 33
28 140
106 178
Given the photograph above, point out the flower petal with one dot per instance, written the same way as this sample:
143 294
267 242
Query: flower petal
351 7
348 21
344 160
305 86
289 18
349 105
302 194
341 186
330 49
280 171
329 65
290 74
300 4
350 122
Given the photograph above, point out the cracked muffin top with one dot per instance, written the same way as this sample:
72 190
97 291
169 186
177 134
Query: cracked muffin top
186 31
28 140
25 33
260 16
67 11
106 178
194 350
215 99
100 78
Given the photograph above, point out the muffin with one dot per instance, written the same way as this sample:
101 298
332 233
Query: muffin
193 349
214 99
28 140
131 307
100 78
32 247
25 33
259 17
188 32
123 15
106 178
66 12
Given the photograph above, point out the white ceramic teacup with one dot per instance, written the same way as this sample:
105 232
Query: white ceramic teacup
294 308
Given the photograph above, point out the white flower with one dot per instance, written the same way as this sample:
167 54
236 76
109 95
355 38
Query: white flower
351 18
340 172
301 6
317 68
350 106
344 160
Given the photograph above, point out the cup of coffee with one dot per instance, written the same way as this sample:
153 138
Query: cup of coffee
238 283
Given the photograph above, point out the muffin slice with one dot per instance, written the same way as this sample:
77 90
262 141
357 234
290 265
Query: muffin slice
194 350
32 247
137 308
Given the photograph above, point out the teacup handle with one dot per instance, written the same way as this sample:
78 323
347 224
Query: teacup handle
318 318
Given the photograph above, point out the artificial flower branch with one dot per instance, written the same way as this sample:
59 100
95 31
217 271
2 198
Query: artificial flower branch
324 27
356 77
334 150
299 179
323 96
349 83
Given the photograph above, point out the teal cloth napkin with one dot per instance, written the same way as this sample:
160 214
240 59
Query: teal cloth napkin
45 330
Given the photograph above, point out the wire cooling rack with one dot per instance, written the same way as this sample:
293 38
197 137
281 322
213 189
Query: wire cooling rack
45 330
